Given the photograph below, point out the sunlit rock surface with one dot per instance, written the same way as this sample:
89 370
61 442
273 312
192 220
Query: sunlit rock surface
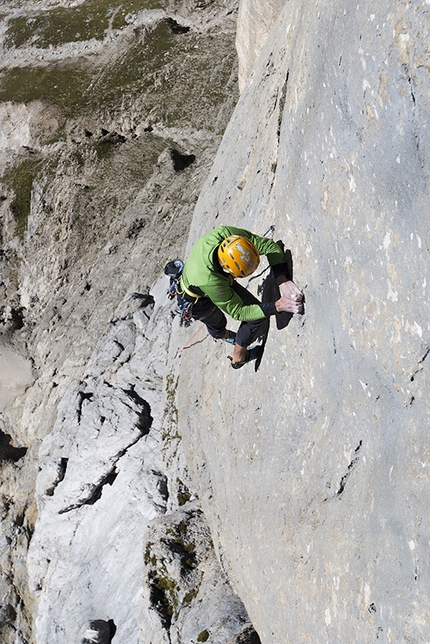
120 537
314 470
149 493
254 23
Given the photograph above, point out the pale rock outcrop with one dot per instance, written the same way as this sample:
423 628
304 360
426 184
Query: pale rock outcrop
25 126
121 549
314 470
15 375
254 23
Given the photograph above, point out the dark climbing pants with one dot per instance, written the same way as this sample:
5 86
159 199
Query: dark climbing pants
216 322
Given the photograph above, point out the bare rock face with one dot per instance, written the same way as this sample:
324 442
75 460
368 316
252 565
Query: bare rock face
121 550
15 375
313 470
254 23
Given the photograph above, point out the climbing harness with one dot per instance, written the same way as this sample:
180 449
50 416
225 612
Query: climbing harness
178 289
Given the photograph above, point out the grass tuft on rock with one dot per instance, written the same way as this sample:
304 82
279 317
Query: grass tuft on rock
20 180
62 25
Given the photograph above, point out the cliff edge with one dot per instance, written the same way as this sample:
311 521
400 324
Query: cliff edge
111 113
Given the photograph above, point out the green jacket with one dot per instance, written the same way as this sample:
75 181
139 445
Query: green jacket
202 271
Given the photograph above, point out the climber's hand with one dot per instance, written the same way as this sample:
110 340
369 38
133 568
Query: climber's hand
289 290
288 305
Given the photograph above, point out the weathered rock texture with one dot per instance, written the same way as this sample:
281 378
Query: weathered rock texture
254 23
311 471
111 114
314 469
120 537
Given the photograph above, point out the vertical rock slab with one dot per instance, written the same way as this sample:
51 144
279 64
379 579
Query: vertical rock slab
15 375
254 23
314 470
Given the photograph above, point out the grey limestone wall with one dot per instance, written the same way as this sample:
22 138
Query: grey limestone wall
314 469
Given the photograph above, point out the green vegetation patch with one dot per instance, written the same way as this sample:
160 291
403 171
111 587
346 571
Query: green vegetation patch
178 540
133 73
184 494
203 636
69 24
20 180
190 596
154 70
74 89
58 86
166 584
164 592
150 557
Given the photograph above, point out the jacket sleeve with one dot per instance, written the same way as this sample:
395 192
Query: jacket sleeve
273 252
223 296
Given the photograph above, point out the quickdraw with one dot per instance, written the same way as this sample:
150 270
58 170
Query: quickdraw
185 310
176 290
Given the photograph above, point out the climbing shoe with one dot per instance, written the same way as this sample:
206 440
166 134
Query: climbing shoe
252 354
231 338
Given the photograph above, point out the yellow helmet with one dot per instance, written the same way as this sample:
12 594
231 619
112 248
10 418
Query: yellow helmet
238 256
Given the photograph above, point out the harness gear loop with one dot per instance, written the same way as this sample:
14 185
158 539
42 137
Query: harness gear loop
186 313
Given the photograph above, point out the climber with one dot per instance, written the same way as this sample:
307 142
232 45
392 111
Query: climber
208 283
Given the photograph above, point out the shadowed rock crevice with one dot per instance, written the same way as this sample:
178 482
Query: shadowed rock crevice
162 484
175 27
145 419
248 636
8 452
12 318
181 161
281 106
351 467
82 398
160 591
99 631
108 480
420 364
95 492
61 473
